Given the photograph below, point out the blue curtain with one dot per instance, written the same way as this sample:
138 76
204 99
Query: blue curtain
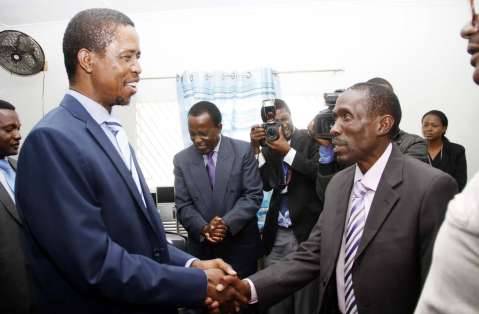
238 95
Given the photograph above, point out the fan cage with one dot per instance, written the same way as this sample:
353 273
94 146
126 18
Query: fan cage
20 53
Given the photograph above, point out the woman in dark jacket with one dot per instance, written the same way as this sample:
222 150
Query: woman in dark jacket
443 154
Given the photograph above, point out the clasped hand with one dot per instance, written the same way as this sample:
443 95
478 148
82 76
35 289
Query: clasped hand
226 292
215 231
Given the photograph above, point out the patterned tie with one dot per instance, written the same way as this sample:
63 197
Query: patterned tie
122 141
354 231
284 219
211 168
9 173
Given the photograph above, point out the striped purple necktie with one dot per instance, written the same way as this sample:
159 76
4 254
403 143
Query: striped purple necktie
354 231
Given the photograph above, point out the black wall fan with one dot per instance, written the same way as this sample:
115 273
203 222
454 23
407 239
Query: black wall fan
20 54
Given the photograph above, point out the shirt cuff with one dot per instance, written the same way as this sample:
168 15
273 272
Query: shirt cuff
289 157
190 261
261 160
254 295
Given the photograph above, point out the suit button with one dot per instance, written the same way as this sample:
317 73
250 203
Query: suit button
157 254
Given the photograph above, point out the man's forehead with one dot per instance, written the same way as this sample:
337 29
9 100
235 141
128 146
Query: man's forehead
352 99
4 113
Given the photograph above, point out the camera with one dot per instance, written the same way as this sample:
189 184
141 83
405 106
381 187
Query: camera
324 120
270 125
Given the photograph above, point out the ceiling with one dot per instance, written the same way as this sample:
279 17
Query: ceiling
14 12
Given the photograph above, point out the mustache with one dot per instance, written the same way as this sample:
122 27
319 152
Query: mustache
337 141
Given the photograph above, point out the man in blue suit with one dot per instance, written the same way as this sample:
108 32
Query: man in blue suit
94 239
218 191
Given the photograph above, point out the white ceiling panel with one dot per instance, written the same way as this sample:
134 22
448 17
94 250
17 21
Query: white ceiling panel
14 12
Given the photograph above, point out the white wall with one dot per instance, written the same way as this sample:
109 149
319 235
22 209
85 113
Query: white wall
414 44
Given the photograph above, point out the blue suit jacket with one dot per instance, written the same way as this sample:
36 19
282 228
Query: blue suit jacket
93 246
236 197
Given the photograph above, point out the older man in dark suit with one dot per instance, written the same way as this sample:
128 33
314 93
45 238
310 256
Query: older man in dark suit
14 280
372 246
218 191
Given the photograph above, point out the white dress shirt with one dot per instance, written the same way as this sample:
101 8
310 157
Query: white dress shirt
288 158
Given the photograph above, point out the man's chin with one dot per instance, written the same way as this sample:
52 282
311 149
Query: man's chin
475 76
12 152
122 101
202 150
343 160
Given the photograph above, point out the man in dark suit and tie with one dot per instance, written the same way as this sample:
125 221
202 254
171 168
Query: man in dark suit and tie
288 166
14 281
372 245
95 241
218 191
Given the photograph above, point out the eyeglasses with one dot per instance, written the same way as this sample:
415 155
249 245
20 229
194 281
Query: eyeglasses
474 10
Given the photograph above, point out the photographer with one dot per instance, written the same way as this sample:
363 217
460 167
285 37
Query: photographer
288 166
319 130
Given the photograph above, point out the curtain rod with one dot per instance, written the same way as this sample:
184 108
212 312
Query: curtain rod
173 77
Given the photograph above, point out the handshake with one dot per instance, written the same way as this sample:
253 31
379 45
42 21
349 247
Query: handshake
226 292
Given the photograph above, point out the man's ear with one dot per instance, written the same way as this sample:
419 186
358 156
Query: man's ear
385 125
85 60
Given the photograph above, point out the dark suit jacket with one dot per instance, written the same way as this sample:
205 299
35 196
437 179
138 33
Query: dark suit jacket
394 254
452 160
93 245
303 202
14 280
236 198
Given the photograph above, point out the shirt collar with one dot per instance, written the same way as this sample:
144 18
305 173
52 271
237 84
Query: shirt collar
371 178
217 147
96 111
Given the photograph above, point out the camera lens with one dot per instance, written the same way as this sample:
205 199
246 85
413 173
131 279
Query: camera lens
272 132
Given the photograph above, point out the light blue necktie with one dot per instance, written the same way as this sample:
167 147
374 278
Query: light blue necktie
122 141
9 173
352 237
125 152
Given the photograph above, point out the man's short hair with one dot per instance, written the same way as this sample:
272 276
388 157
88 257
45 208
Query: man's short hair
380 81
92 29
206 107
281 104
6 105
381 100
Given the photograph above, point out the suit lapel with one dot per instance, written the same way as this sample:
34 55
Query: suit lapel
95 130
224 163
342 203
384 199
97 133
150 209
8 203
5 198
